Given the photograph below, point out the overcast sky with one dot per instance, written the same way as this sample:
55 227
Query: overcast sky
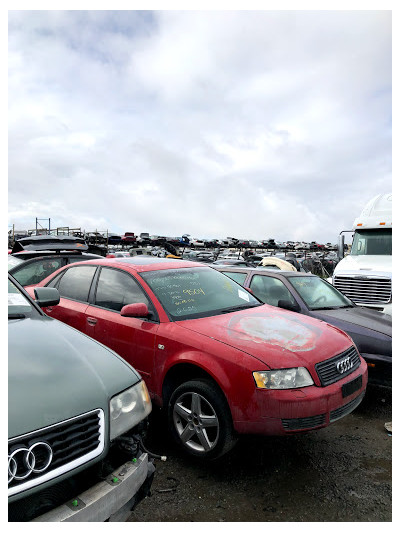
252 124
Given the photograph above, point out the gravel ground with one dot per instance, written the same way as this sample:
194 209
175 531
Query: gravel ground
340 473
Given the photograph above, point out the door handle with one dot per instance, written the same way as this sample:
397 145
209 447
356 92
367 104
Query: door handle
91 321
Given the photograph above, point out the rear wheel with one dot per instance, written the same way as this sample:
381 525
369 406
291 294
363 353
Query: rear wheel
200 419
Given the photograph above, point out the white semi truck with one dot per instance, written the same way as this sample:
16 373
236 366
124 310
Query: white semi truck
365 274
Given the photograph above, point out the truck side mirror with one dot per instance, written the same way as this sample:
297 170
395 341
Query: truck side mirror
340 251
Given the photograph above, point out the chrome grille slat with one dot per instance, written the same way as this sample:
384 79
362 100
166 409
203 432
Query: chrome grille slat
327 372
366 291
74 441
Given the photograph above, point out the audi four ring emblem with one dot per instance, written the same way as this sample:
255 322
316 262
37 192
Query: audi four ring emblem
22 462
344 365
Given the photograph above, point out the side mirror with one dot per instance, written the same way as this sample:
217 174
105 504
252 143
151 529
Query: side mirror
290 306
139 310
249 290
340 250
46 296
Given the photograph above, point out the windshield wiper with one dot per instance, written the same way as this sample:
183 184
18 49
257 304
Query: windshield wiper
16 315
239 307
330 307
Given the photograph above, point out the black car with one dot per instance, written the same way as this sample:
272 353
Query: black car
34 258
310 295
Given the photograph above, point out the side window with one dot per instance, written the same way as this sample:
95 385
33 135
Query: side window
35 272
239 277
116 289
75 283
270 290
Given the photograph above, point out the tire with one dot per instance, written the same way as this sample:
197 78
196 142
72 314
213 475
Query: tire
200 420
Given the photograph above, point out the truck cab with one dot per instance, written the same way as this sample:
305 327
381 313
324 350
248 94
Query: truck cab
365 274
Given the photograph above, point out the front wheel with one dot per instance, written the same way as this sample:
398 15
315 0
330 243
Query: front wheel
200 420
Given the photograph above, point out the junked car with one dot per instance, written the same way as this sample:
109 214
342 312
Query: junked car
77 413
310 295
34 258
219 361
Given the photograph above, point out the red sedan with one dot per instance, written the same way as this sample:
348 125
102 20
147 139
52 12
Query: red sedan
220 362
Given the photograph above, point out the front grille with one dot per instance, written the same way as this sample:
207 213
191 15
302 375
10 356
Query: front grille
365 291
327 370
309 422
49 452
346 409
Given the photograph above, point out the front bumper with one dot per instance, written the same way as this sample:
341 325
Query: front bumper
283 412
111 499
379 369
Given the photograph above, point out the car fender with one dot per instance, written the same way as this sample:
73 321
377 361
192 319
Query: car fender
235 381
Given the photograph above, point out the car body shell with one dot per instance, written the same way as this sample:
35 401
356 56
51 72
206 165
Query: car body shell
227 348
56 375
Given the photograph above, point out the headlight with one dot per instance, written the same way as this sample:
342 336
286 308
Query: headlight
129 408
289 378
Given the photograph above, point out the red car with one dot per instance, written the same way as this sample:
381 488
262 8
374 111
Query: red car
220 362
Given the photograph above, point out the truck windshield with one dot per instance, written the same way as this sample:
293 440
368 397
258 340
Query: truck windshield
372 242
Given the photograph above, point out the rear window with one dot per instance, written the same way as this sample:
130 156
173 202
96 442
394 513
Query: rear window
75 283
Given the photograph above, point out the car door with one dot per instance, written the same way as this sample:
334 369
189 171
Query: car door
132 338
74 286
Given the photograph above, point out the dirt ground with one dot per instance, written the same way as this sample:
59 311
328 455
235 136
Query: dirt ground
342 473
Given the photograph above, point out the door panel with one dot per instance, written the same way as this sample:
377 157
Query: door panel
132 338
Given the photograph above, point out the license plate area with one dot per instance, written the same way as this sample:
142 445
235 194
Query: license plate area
351 386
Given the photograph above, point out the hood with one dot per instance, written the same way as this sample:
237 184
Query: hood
370 329
367 264
368 319
276 337
56 372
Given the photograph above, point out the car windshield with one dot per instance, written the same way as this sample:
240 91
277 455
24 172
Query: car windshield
13 261
372 242
197 292
18 305
319 294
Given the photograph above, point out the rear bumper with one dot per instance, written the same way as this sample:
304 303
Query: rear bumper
282 412
111 499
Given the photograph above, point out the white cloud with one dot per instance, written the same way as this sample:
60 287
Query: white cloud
249 123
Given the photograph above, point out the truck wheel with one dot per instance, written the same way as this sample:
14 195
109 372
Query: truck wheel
200 420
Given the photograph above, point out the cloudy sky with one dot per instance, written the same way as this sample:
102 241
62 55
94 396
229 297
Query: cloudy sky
252 124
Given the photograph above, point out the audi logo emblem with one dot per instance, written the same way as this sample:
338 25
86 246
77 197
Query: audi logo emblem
26 461
344 365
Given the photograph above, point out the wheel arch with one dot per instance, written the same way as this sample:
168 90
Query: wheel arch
186 371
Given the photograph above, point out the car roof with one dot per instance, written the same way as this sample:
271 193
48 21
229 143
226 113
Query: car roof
32 254
263 271
143 263
50 242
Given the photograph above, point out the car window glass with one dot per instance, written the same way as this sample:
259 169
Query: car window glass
239 277
35 272
318 293
193 292
17 302
116 289
14 261
75 283
270 290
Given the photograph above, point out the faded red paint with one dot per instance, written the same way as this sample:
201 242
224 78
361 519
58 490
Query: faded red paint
229 347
